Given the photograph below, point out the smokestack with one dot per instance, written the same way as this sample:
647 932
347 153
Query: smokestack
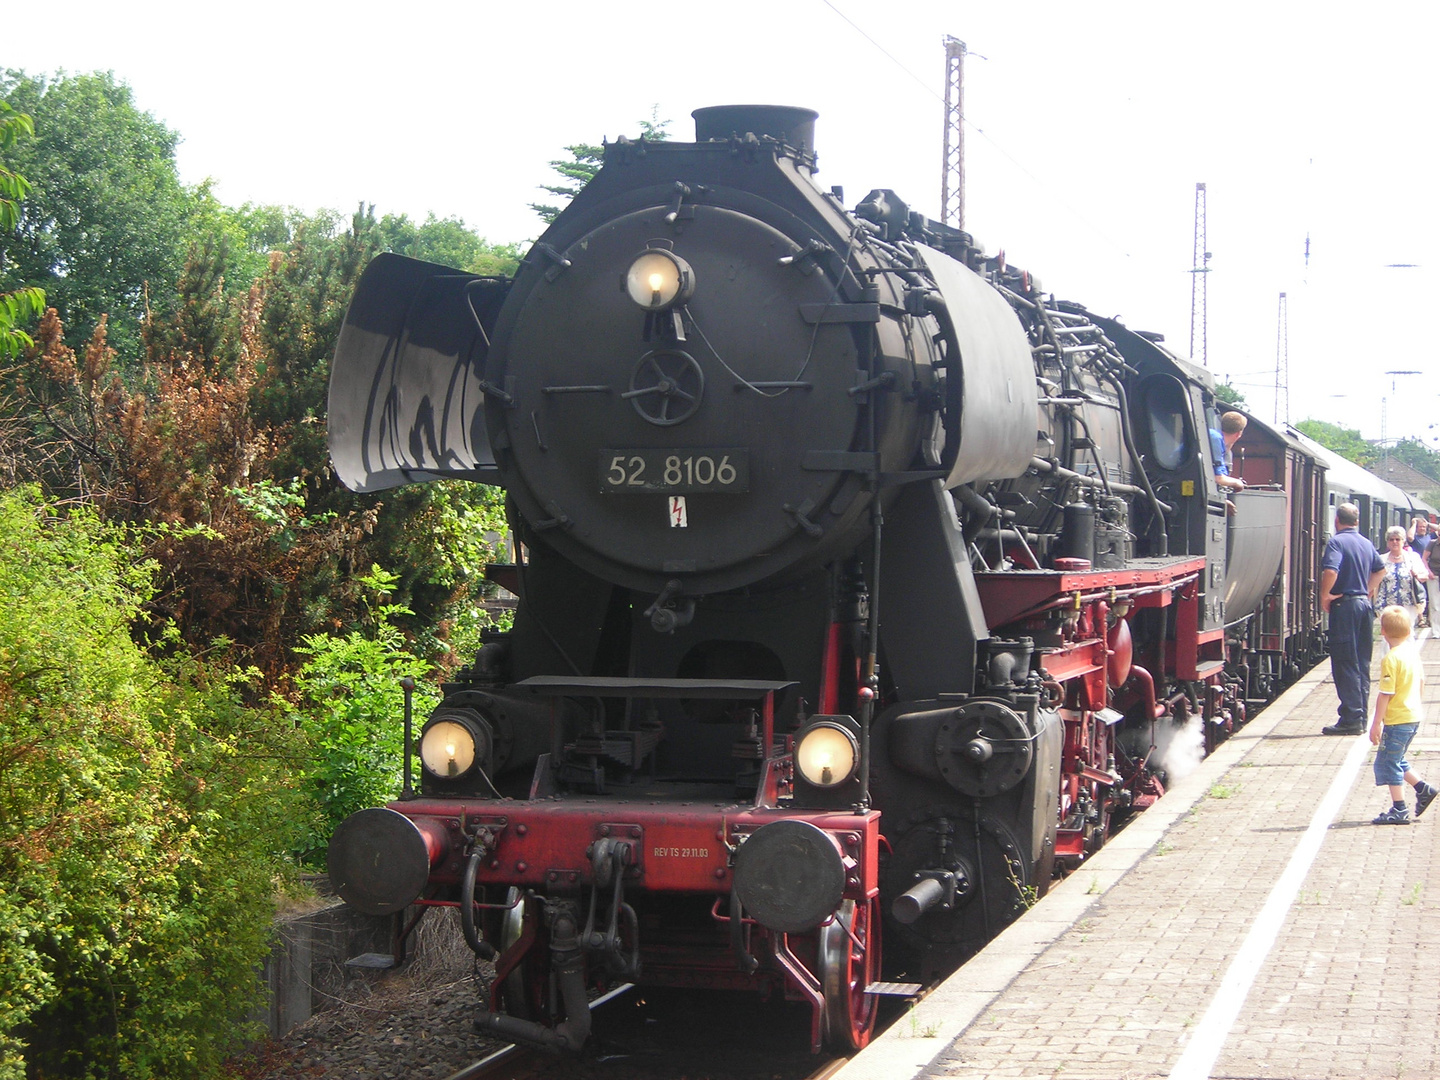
791 125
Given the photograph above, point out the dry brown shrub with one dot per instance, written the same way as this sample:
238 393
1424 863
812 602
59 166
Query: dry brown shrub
175 445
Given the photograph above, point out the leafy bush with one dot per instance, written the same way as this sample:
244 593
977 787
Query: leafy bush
141 813
351 702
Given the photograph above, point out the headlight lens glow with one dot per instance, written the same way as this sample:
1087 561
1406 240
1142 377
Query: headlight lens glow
827 755
658 279
447 749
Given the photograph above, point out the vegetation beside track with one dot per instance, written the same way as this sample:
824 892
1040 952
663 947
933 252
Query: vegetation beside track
201 632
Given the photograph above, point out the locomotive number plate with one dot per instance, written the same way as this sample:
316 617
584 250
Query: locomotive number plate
674 472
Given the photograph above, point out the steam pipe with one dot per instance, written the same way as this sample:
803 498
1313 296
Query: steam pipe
871 687
1008 534
743 960
1107 348
1147 685
567 961
868 691
1077 418
973 500
478 945
1001 534
982 508
1062 473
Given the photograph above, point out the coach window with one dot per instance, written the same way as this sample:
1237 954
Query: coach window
1166 406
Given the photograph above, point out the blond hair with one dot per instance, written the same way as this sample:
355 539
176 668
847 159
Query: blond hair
1232 423
1395 622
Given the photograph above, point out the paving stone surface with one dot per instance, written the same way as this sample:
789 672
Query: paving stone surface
1350 989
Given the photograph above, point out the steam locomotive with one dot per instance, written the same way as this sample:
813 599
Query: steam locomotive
859 583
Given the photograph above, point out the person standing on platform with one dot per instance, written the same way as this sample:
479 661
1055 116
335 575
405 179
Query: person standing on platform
1432 563
1421 538
1350 570
1398 709
1403 583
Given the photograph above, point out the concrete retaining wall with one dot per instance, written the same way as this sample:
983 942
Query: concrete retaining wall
306 969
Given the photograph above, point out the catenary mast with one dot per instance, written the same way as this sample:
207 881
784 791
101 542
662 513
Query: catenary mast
1282 365
952 165
1200 267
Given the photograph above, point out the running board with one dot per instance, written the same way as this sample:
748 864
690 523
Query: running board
894 989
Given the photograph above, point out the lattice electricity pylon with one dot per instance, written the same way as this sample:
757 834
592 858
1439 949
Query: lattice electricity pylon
1282 365
1200 268
952 163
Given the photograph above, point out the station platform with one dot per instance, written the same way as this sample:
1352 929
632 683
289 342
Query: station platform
1252 923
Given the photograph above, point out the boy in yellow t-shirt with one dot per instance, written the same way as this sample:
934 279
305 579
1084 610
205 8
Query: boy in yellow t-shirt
1398 709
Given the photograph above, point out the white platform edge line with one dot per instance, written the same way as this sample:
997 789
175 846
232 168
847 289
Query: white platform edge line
1208 1038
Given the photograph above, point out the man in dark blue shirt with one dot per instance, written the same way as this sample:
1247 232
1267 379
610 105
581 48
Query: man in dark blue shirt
1349 572
1419 536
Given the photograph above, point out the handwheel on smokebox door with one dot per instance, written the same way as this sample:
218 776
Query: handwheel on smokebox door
849 962
664 378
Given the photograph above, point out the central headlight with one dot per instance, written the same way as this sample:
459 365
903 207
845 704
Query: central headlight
658 279
827 755
450 747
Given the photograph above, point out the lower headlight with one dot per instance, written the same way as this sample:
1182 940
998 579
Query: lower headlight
827 755
450 746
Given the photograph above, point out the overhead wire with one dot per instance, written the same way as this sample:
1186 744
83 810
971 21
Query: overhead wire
929 89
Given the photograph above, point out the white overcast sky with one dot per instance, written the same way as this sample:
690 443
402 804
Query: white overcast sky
1089 125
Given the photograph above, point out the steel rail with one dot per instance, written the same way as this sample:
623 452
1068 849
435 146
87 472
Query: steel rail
518 1058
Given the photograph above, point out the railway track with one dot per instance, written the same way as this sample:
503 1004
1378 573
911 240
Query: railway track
418 1023
517 1063
669 1049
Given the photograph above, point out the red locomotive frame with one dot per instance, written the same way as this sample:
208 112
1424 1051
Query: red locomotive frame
686 849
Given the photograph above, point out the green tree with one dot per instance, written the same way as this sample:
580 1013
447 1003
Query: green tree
107 216
583 163
1229 395
1418 456
208 415
447 241
575 172
1344 441
307 290
248 235
433 536
25 303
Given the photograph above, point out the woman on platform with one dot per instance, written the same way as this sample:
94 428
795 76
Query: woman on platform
1405 577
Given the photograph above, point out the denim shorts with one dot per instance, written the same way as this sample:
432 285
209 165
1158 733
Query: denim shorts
1390 763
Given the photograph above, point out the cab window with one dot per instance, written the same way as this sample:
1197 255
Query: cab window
1166 407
